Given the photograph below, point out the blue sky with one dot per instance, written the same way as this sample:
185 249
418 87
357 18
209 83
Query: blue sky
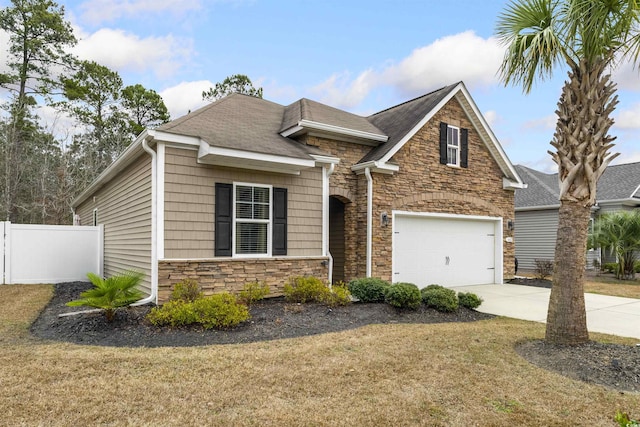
362 56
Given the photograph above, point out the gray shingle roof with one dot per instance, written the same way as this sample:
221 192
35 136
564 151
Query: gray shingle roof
306 109
397 121
241 122
618 182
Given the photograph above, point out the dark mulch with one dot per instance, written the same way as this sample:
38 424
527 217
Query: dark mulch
272 318
540 283
611 365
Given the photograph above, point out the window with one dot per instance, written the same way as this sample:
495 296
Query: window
252 208
250 220
453 146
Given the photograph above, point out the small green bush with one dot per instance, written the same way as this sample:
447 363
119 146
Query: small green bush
469 300
253 292
623 420
188 290
442 299
636 267
305 289
338 295
368 289
403 295
610 267
215 311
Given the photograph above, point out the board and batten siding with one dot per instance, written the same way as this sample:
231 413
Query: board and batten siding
535 236
189 205
124 208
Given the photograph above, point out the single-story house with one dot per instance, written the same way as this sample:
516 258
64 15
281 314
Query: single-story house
537 210
245 189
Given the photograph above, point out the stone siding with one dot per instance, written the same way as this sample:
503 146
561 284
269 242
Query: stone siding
424 185
230 275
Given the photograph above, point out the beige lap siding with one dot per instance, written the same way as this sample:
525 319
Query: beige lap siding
124 208
189 205
230 275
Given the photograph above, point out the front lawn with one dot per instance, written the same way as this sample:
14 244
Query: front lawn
607 284
405 374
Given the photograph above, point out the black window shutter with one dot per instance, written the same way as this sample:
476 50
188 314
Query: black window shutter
443 142
279 239
464 148
224 219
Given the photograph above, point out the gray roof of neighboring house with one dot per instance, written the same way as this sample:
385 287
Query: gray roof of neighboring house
241 122
400 119
306 109
618 182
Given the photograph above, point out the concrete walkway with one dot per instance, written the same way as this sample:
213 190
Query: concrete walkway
606 314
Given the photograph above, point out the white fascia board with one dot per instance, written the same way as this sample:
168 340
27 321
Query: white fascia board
508 184
174 138
308 124
629 201
419 126
503 160
325 160
376 166
250 160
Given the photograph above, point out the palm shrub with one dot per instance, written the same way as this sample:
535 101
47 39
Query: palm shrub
368 289
110 294
619 233
403 295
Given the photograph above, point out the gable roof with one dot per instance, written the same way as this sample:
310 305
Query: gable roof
400 119
309 114
241 122
618 183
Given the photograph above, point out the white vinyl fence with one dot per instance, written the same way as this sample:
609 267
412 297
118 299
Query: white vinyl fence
49 253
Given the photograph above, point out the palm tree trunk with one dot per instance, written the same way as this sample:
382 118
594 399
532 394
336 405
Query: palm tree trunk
582 146
566 319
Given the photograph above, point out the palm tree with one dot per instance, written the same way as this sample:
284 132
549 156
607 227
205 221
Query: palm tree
588 37
619 233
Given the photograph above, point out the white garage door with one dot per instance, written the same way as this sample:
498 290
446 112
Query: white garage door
444 251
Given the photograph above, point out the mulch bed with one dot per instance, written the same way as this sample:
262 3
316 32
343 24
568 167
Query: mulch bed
611 365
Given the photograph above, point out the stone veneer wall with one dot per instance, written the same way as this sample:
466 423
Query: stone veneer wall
349 188
424 185
227 274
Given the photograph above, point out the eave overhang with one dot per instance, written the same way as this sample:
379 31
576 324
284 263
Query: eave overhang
323 129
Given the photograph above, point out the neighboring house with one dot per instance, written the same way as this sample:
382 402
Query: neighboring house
248 190
537 210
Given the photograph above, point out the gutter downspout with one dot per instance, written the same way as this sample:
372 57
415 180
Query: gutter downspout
153 298
367 173
328 173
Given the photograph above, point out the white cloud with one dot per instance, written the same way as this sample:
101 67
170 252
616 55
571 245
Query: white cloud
627 77
464 56
58 123
185 97
547 122
98 11
627 158
628 119
492 117
123 51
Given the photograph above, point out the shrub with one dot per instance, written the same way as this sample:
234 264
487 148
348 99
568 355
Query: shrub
110 294
215 311
403 295
636 267
544 268
368 289
253 292
442 299
305 289
623 420
610 267
188 290
338 295
469 300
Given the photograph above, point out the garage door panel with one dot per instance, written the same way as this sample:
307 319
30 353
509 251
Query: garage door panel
448 252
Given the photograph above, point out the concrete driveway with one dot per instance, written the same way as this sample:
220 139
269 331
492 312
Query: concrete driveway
606 314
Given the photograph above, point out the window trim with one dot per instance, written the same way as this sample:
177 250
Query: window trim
457 148
269 222
95 217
